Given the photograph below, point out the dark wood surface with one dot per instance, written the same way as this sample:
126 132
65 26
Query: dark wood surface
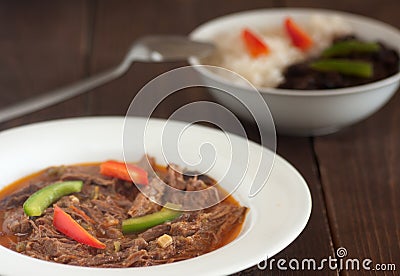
353 175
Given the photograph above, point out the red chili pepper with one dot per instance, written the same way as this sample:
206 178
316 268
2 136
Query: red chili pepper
299 37
255 46
69 227
124 171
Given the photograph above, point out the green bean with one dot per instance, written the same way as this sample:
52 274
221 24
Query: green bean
37 203
344 48
343 66
138 224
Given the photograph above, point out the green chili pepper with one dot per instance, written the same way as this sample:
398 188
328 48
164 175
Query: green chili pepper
40 200
347 47
343 66
139 224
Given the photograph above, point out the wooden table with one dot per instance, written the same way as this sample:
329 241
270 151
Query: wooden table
353 175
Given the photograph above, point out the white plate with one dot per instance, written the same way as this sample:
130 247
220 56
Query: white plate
277 214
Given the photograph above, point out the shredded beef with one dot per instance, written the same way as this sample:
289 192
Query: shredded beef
90 176
148 163
104 203
16 222
175 178
155 232
146 204
18 198
208 196
143 206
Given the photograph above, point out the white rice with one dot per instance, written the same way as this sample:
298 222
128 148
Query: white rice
267 70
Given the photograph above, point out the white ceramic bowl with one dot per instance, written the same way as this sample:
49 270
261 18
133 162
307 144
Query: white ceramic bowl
276 216
300 112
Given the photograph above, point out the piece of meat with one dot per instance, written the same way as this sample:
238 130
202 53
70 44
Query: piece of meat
16 222
18 198
109 206
199 195
99 260
185 228
148 163
142 205
90 179
133 243
135 258
55 248
88 174
175 178
155 232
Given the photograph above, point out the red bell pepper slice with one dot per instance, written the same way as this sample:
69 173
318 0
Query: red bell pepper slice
255 46
124 171
69 227
299 37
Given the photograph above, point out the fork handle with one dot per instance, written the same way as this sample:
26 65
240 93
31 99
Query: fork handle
53 97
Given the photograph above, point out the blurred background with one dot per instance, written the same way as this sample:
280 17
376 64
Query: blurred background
47 44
